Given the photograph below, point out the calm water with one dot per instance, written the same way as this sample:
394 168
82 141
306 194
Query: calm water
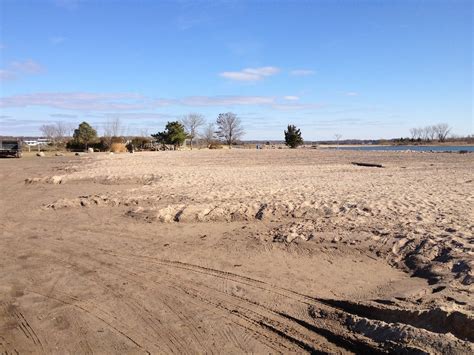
418 148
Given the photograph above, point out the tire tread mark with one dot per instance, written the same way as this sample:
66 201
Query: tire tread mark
348 344
269 341
290 334
93 315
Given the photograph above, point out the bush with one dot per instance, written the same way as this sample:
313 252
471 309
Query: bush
75 146
118 148
140 143
215 146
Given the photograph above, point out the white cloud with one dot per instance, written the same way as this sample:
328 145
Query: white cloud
162 102
18 68
352 93
126 103
28 66
6 75
250 74
227 100
296 106
139 115
84 101
79 101
62 115
302 72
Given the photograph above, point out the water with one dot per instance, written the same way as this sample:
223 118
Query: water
416 148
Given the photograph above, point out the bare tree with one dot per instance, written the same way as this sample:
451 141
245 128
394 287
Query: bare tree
209 133
419 133
70 127
191 123
425 133
338 136
48 131
229 127
61 130
428 133
442 130
432 132
113 128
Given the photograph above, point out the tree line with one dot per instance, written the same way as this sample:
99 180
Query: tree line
438 132
227 128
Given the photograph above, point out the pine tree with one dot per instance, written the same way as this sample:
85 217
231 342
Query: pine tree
173 134
293 137
85 134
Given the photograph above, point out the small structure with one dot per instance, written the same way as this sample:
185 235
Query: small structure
37 142
10 147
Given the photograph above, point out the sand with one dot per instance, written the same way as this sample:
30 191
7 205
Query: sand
235 251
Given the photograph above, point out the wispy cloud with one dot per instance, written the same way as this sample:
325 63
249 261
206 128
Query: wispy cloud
17 68
62 115
140 115
227 100
186 22
287 103
56 40
90 103
352 93
28 66
79 101
302 72
250 74
6 75
293 106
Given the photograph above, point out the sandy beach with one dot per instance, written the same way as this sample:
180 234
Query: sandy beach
237 251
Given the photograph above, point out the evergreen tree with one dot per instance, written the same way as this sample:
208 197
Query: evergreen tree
293 137
85 134
173 134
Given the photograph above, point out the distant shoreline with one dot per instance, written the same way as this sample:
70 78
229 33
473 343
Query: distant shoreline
464 144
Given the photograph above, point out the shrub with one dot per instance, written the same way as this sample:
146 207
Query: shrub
118 148
215 146
140 143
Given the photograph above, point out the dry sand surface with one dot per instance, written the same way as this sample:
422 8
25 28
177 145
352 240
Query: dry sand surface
237 251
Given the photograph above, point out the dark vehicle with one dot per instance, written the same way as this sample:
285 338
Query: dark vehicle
10 148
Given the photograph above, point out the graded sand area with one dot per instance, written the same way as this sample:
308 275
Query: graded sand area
233 251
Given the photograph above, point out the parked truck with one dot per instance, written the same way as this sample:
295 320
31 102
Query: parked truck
10 148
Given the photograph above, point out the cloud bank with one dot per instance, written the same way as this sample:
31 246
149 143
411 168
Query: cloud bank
87 102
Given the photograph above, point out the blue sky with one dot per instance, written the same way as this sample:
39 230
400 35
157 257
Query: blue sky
363 69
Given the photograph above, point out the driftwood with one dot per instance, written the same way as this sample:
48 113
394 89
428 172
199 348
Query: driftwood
367 164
